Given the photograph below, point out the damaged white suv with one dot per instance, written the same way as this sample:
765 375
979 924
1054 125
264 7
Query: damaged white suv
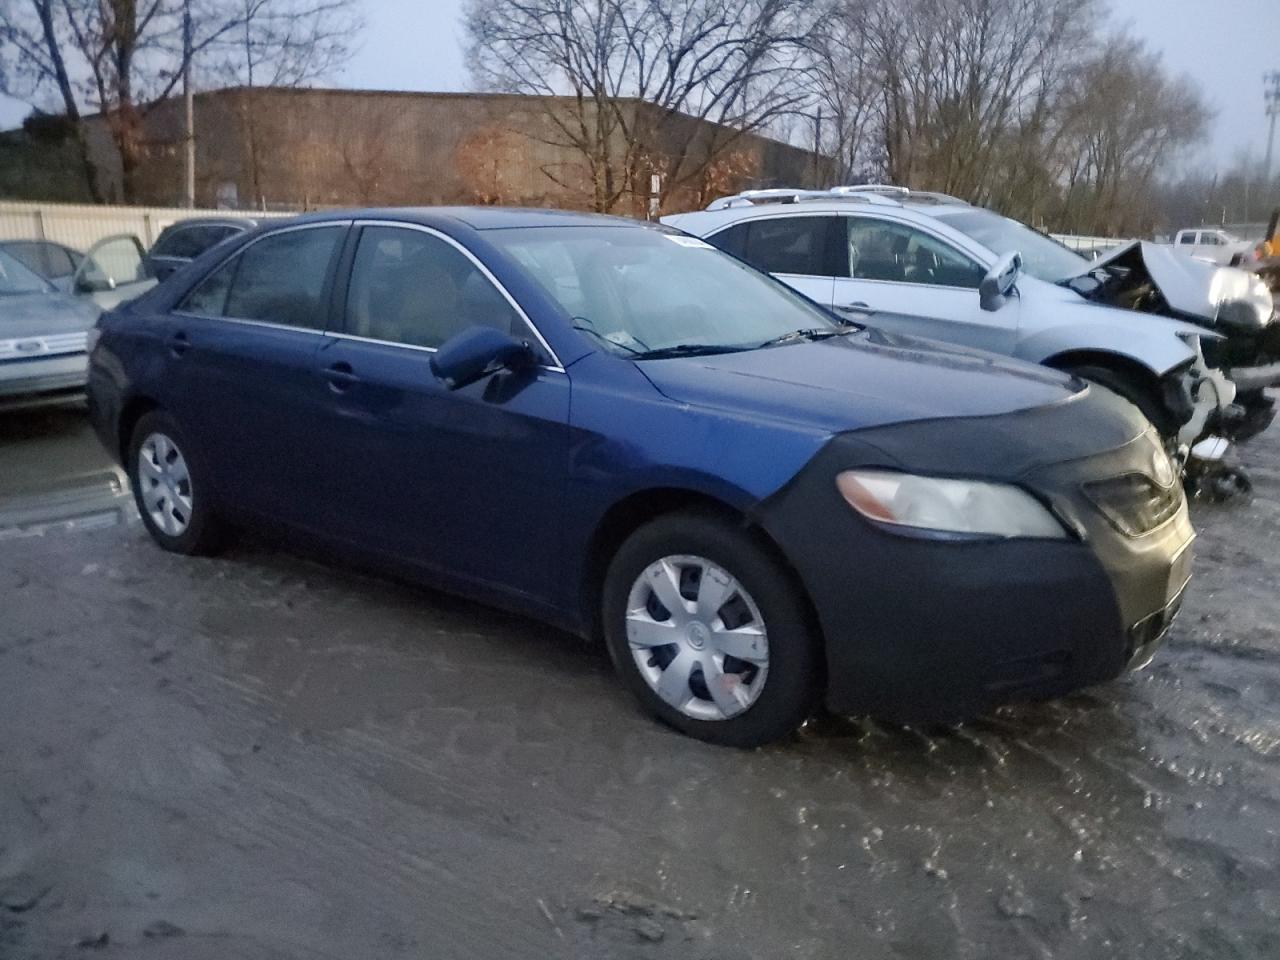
933 266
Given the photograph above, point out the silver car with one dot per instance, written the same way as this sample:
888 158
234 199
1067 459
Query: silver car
44 332
933 266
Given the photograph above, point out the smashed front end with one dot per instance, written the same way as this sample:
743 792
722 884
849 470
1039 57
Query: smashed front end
1232 303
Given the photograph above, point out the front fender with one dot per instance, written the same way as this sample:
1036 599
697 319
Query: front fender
1159 349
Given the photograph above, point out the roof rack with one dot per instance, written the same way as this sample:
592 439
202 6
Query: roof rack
883 194
751 198
904 194
881 189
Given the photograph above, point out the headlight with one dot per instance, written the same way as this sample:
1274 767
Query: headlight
1251 312
1134 503
952 506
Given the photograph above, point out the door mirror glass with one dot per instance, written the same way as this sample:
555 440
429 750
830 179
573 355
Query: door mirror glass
477 352
996 286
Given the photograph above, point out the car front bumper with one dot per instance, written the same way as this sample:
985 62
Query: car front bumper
917 628
23 379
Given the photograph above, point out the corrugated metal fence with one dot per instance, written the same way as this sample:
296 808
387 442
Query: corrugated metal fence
81 227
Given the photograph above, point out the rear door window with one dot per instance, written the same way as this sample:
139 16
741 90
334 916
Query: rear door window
278 279
789 245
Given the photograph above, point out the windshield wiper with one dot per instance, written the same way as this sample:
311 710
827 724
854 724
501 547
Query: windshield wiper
809 335
586 326
688 350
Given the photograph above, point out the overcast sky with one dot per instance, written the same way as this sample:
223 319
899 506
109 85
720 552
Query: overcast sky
1225 44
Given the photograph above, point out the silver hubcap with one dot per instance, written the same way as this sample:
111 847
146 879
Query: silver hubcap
165 483
697 637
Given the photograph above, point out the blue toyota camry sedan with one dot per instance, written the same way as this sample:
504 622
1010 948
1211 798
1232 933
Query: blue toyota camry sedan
616 428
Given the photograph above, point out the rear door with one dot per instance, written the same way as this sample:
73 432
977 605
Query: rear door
904 279
242 347
797 249
467 482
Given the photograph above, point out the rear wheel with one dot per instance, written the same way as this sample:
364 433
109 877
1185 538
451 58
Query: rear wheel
709 631
1141 395
169 489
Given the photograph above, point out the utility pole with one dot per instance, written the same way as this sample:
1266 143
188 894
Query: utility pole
189 127
817 148
1271 95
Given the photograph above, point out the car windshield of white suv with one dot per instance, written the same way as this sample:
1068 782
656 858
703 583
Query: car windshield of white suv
649 293
1042 256
15 278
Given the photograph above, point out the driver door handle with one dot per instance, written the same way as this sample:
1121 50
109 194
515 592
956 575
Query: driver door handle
179 344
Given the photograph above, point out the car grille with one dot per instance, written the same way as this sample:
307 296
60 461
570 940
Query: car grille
52 345
1134 503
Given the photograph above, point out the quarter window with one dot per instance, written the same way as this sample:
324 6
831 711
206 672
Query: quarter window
411 287
278 279
883 250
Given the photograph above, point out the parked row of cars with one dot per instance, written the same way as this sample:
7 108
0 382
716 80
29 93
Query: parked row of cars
51 295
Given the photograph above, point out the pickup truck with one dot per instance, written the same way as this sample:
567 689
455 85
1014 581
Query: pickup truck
1216 246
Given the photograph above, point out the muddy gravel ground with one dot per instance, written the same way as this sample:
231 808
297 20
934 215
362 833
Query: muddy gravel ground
259 756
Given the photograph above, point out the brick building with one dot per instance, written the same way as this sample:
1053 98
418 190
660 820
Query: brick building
288 148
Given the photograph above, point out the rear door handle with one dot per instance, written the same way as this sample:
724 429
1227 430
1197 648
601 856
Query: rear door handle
179 344
341 377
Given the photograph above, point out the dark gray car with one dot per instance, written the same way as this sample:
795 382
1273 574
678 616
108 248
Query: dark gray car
181 242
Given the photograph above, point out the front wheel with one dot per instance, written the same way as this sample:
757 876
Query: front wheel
710 632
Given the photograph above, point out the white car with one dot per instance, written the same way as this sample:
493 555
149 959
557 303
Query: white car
1215 246
932 266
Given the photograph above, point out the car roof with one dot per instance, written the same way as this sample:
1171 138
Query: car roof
478 218
229 221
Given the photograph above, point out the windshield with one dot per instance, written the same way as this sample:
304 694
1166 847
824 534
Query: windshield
15 278
642 291
1042 256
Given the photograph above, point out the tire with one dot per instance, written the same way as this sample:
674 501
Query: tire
170 495
1141 396
761 696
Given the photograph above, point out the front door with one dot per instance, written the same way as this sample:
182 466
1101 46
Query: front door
465 482
113 272
905 280
243 346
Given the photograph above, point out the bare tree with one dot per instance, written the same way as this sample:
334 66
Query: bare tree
32 38
122 58
626 76
1123 120
278 43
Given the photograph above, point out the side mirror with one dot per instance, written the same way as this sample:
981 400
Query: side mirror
477 352
94 282
998 283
